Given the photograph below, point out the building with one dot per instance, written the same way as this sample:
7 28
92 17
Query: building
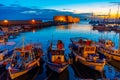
64 18
76 20
60 18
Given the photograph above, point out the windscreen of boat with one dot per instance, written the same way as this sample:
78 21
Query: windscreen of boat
57 52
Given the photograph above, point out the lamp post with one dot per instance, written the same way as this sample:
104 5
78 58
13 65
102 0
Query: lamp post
5 22
33 23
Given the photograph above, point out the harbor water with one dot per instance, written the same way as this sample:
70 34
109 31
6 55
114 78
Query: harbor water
75 71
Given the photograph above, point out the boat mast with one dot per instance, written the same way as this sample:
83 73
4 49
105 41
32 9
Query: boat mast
119 41
92 17
108 16
117 14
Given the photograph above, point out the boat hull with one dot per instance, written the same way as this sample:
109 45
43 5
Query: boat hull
94 65
111 56
14 73
57 68
116 57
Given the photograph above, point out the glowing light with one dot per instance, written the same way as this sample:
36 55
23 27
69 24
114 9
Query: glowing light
61 19
33 21
5 21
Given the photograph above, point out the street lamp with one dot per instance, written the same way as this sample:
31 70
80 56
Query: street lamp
33 21
5 22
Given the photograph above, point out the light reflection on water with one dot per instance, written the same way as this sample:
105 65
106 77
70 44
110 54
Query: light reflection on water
65 33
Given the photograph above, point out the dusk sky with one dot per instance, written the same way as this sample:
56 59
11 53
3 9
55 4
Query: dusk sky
74 6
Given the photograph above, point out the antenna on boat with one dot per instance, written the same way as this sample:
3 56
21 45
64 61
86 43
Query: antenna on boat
109 15
117 14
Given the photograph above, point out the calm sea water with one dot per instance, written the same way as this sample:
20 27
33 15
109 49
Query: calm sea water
65 32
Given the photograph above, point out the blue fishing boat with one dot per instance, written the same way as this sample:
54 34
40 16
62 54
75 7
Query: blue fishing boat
56 59
4 58
24 59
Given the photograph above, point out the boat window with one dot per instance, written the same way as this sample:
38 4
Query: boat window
26 54
53 52
22 54
80 41
61 52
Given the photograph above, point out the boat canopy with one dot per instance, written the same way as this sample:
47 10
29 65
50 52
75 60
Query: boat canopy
83 41
57 52
53 44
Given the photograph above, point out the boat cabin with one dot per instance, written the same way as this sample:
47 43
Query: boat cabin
56 53
116 52
109 44
82 41
89 50
57 56
86 47
106 43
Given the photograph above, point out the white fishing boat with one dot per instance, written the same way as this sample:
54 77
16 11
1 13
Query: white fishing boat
3 38
4 58
23 60
84 51
107 47
56 59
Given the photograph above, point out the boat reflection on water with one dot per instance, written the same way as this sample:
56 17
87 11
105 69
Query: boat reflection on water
51 75
109 72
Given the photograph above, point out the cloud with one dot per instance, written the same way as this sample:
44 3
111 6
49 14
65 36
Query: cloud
15 5
114 2
1 5
29 12
66 9
118 3
17 12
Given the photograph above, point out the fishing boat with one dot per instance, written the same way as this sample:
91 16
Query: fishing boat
23 60
84 51
4 58
107 47
56 59
3 38
99 27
